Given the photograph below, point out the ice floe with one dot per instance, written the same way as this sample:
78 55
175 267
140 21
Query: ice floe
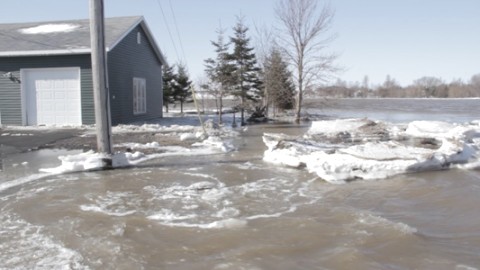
347 149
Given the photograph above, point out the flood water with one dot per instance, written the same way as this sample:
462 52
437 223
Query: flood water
234 211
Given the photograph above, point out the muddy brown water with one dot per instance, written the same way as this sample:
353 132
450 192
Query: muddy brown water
234 211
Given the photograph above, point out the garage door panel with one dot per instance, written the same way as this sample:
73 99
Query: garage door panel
53 96
60 95
60 107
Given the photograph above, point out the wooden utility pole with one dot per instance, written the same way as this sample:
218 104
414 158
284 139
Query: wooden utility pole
100 90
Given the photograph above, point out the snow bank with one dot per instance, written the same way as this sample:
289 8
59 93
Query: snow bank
343 150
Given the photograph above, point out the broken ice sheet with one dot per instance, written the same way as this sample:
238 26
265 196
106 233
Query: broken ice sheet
346 149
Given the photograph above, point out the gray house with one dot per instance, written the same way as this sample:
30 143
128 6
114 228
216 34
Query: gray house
46 76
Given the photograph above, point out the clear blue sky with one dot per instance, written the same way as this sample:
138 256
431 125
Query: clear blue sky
406 39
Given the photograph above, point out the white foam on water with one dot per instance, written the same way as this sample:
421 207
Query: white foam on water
236 265
247 166
292 209
24 180
371 219
26 246
201 175
100 209
112 203
167 215
465 267
212 204
230 223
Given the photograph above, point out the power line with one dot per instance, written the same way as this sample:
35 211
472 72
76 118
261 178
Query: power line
178 32
168 29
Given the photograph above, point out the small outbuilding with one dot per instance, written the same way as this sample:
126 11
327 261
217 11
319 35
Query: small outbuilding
46 74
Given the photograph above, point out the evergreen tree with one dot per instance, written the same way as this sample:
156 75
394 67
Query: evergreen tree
278 83
220 72
168 86
182 91
248 84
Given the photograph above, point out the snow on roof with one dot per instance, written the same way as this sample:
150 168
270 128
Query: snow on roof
66 37
49 28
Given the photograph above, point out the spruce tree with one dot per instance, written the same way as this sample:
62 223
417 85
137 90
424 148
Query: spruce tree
220 72
182 91
246 71
168 86
278 82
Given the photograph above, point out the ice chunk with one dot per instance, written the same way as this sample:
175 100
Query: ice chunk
337 126
422 145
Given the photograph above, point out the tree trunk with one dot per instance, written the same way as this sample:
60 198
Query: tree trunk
242 112
298 107
220 108
220 111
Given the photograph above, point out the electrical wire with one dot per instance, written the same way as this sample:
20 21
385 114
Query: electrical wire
178 32
185 60
168 29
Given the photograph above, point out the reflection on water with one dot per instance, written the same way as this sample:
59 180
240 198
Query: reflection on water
234 211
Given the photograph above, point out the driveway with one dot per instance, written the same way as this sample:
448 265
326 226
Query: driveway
23 140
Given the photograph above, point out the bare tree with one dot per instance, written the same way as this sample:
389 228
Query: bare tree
304 37
390 88
475 85
429 85
265 43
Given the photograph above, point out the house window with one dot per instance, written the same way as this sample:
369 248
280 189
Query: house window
139 38
139 96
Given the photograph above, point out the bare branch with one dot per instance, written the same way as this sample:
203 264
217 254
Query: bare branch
304 36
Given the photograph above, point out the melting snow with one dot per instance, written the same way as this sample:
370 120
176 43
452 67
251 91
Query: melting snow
220 140
343 150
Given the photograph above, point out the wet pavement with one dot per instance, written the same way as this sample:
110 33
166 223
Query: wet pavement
24 140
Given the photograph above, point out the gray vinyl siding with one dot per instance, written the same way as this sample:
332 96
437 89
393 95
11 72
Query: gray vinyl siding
126 61
10 92
10 99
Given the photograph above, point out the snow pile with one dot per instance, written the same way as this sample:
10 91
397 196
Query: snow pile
80 162
220 140
215 142
157 128
343 150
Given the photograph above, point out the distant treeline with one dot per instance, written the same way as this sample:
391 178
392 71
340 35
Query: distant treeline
424 87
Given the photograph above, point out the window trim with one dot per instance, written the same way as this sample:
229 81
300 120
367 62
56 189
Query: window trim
139 96
139 38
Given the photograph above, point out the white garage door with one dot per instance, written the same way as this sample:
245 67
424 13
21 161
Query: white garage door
52 96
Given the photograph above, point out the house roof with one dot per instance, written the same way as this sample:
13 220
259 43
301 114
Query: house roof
66 37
